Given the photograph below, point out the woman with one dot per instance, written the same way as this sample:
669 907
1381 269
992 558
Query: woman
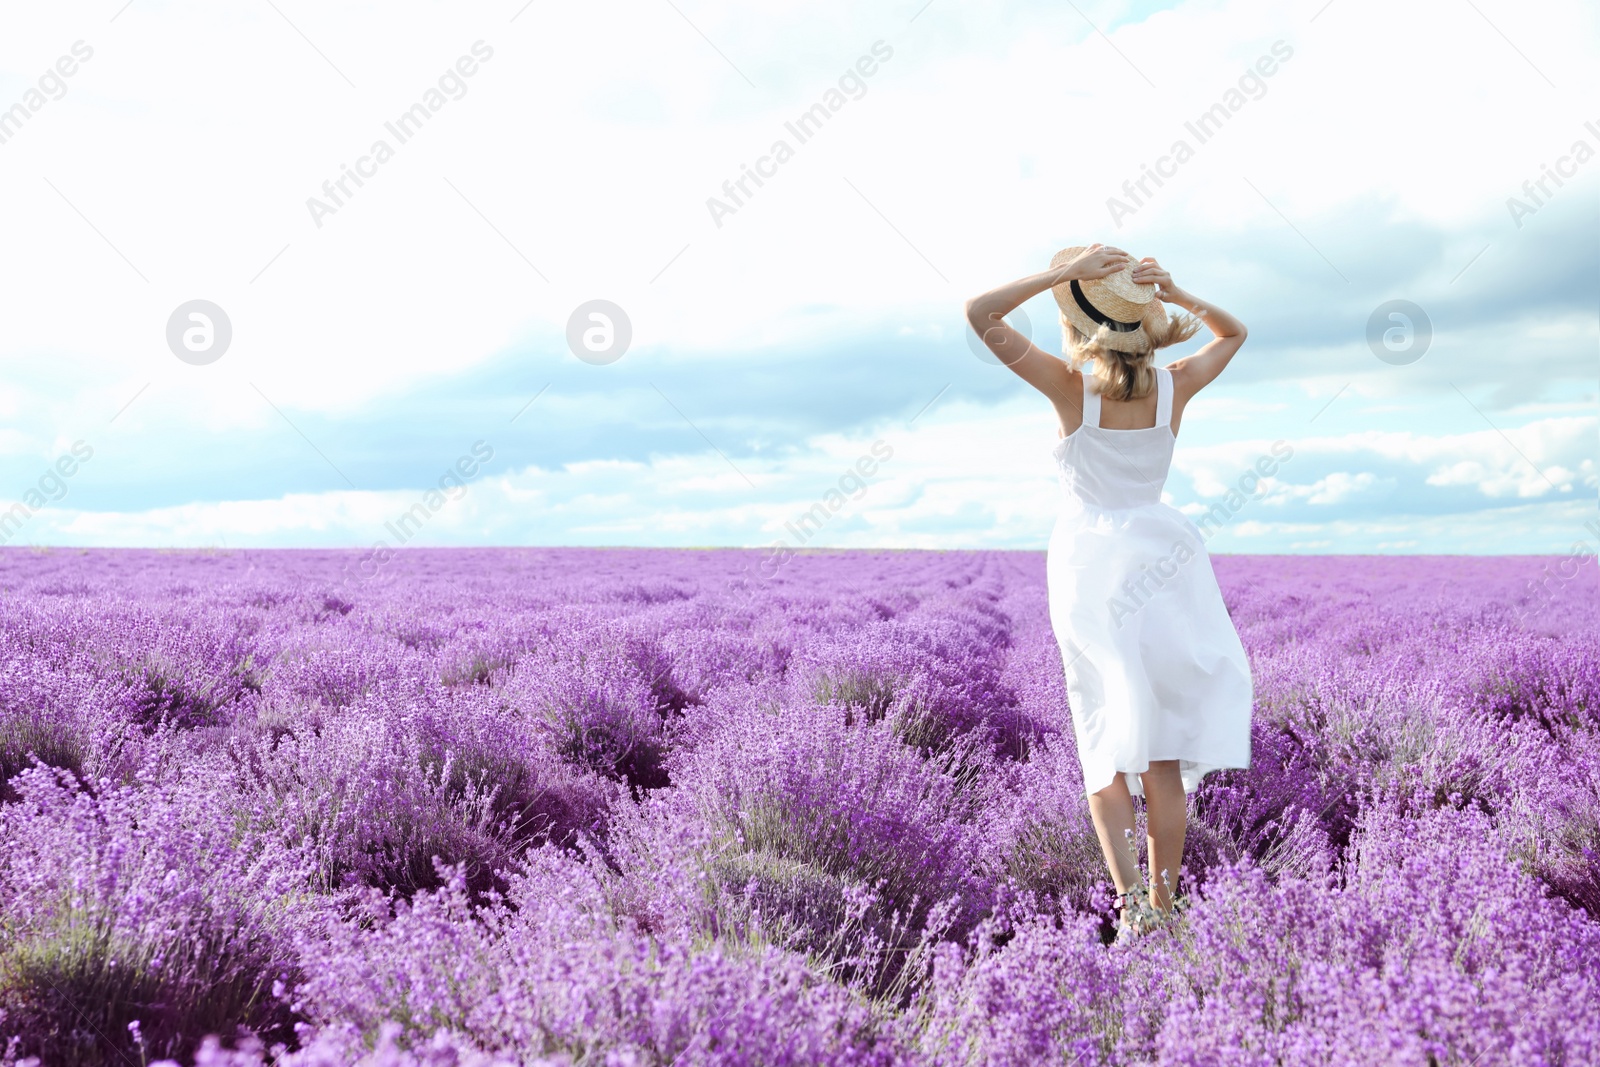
1158 682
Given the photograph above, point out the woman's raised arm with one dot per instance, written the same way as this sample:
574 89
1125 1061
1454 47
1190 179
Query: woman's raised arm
1193 373
1031 363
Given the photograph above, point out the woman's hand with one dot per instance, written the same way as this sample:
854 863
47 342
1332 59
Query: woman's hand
1096 261
1148 272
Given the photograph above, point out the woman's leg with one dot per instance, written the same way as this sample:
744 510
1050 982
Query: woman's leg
1112 809
1166 810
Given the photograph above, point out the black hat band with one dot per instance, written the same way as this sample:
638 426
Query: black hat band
1099 316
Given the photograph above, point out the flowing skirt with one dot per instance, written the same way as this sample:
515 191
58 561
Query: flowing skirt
1155 669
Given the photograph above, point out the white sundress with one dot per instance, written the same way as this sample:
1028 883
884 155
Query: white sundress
1155 669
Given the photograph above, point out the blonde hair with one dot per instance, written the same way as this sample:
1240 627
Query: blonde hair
1120 374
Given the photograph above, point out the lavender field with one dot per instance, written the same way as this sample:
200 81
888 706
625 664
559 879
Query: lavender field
629 807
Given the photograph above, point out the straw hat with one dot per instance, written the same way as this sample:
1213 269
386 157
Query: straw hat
1115 300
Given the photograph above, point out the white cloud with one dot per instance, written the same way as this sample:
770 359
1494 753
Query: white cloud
1543 457
1337 487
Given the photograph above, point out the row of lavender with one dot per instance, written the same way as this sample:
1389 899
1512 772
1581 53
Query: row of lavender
629 807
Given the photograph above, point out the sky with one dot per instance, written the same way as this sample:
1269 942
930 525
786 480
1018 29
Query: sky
397 221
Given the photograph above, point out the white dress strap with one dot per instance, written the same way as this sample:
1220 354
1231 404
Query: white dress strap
1163 397
1091 403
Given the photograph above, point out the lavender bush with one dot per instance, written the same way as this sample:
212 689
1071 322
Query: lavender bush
613 807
